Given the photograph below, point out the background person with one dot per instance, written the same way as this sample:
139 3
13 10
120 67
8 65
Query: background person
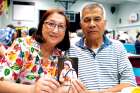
6 35
32 31
137 43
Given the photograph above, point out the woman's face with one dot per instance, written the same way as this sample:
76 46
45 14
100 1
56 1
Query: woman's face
54 28
66 66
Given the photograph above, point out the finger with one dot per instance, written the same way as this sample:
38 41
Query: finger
46 89
78 86
66 89
53 81
66 83
70 90
44 86
48 86
44 92
73 89
82 86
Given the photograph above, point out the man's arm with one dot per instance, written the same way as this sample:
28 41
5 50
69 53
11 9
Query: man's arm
116 88
80 88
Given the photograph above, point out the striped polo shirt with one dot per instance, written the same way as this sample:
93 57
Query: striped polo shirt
108 67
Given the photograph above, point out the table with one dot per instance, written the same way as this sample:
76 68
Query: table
135 61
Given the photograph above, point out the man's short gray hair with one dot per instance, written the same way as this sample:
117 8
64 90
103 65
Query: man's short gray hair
94 5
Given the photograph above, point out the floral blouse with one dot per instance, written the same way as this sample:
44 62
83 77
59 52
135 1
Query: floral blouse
23 63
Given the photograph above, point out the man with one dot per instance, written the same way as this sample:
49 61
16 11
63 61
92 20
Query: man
137 43
103 64
6 35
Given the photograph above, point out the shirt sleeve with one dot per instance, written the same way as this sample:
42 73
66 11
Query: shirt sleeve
125 68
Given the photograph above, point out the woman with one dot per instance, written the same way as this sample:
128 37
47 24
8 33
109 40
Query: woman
26 61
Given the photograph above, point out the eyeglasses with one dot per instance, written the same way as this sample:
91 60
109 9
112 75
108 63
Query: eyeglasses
52 25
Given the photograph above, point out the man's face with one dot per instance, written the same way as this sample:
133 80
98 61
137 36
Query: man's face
93 23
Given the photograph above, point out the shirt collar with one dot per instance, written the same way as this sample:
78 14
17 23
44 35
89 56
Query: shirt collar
56 51
82 44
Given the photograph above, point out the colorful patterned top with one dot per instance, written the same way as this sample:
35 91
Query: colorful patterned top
23 63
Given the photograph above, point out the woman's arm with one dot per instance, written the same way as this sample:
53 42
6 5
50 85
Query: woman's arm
11 87
43 84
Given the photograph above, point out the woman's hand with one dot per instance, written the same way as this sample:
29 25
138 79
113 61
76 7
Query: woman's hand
78 87
74 87
63 89
45 85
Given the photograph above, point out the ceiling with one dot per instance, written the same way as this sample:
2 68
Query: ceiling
115 1
101 1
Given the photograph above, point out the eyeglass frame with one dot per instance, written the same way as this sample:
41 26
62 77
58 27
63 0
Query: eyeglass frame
52 25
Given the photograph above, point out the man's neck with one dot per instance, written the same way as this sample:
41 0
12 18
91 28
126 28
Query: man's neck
94 43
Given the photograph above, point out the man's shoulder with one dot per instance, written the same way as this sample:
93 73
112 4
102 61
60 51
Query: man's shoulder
73 50
74 47
117 45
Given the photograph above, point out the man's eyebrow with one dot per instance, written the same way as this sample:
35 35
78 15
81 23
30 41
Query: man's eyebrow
97 17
